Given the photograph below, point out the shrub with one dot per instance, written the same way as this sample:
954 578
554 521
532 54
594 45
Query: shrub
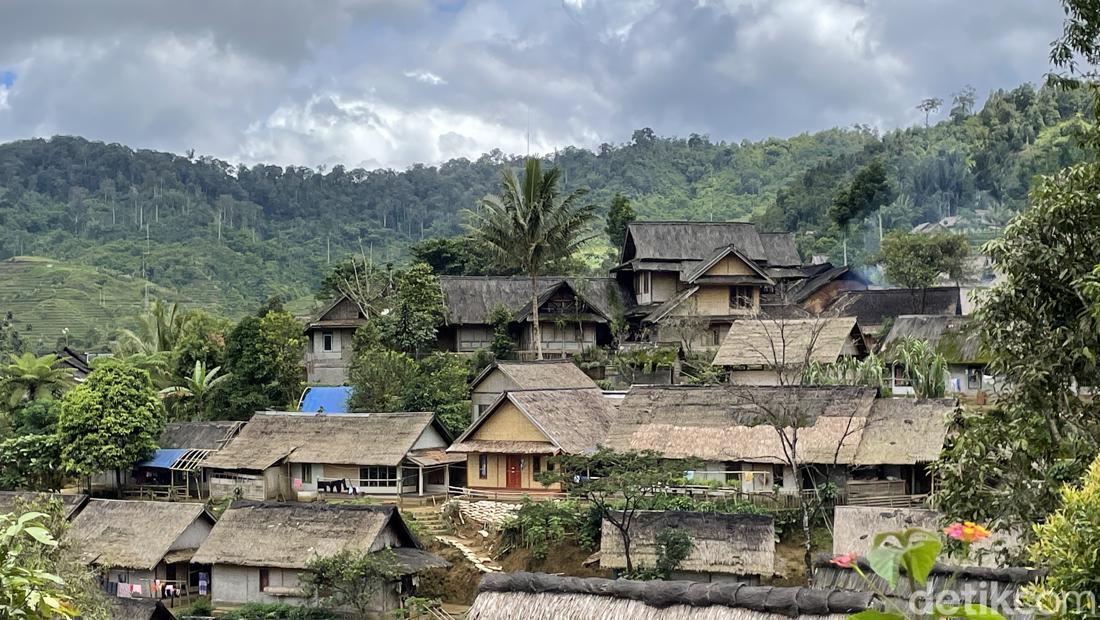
278 611
1067 544
538 524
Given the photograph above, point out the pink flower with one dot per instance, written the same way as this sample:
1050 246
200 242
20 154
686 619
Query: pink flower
844 561
967 532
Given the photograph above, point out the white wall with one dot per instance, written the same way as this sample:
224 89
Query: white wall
194 535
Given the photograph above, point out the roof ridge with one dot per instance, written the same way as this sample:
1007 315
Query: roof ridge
788 601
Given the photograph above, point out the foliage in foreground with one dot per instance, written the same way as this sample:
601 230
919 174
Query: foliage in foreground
278 611
350 578
1066 544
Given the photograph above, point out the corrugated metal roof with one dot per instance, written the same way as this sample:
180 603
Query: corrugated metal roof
164 458
328 399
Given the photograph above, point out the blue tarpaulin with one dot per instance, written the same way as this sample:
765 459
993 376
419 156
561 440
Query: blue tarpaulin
164 458
326 399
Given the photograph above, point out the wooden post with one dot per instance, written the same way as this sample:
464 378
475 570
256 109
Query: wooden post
420 479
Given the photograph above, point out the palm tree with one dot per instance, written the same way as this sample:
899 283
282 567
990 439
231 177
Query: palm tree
157 331
34 377
531 225
197 387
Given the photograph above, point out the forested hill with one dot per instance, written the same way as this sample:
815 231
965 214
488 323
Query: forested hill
232 236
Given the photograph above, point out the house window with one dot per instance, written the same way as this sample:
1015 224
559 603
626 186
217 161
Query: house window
535 465
265 579
715 337
307 473
483 466
377 476
644 282
326 341
481 409
741 297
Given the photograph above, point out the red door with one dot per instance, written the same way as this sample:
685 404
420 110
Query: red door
515 469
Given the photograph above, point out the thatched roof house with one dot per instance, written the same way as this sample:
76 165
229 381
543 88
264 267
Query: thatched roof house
330 333
574 313
684 244
506 446
722 423
296 451
854 528
997 587
788 344
953 337
257 549
724 546
506 375
506 596
875 307
137 541
71 503
843 426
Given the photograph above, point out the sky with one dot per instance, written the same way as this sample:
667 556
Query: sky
390 83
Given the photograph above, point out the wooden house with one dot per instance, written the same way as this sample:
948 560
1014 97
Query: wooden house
875 449
258 549
952 337
709 274
737 548
142 546
511 443
506 596
174 470
758 351
574 313
875 309
503 376
310 455
330 334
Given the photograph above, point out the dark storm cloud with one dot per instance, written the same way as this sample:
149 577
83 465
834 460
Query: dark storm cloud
381 83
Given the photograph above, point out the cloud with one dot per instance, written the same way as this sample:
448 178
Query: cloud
426 77
389 83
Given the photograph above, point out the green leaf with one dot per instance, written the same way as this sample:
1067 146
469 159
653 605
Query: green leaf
40 534
885 562
874 614
970 611
919 558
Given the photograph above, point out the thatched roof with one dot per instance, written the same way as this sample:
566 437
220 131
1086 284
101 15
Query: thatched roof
771 343
820 276
904 431
735 544
289 534
505 596
70 502
343 439
952 336
854 528
875 306
138 609
695 241
537 375
724 423
198 435
573 420
470 300
133 534
996 586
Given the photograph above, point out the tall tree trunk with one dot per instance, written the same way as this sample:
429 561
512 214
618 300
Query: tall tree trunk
537 332
626 551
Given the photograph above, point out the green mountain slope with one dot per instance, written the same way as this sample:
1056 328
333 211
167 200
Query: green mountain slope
229 237
53 302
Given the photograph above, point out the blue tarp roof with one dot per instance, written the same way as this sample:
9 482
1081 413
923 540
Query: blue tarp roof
327 399
163 458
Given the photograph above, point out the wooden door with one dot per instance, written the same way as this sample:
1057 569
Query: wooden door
515 471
